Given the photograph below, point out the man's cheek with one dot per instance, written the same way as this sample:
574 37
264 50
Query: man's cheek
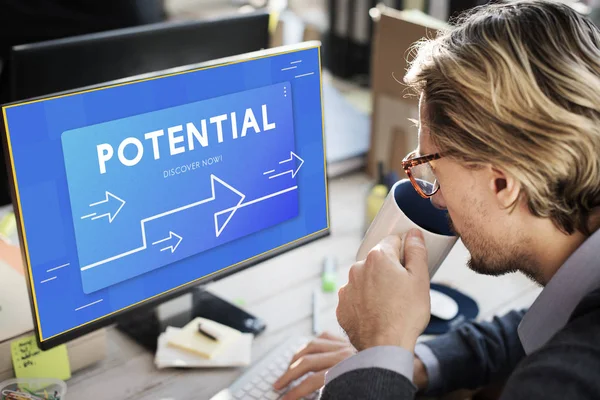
451 225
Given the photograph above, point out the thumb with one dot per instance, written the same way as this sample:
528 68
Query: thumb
415 253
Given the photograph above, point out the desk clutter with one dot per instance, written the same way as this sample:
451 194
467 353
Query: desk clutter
203 343
33 389
16 322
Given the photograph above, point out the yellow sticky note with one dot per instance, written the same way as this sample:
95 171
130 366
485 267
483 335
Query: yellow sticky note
31 362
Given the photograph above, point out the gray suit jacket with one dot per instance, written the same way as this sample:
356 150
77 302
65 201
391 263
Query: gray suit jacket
566 367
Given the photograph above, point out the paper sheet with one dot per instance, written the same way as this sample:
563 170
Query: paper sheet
238 354
188 338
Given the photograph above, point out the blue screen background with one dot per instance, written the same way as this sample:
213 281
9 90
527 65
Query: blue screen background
145 193
35 131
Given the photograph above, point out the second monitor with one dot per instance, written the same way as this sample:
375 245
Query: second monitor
64 64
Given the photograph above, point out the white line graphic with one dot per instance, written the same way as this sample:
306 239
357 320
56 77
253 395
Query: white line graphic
269 172
259 199
89 215
280 174
59 267
288 159
288 68
48 280
213 178
307 74
161 240
296 62
87 305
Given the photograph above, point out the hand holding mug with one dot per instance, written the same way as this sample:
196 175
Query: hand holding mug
384 302
403 210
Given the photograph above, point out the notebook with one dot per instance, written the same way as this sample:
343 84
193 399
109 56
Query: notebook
189 339
237 354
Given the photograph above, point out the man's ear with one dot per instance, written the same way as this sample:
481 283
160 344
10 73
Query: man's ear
505 187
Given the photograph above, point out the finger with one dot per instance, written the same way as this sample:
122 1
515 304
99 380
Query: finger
391 245
331 336
308 363
340 310
355 272
309 385
319 346
415 254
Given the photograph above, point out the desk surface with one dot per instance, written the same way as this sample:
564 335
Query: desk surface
128 371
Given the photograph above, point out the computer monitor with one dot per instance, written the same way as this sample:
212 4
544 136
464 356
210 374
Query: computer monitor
64 64
128 194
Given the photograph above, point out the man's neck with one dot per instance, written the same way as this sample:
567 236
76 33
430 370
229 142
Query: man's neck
551 248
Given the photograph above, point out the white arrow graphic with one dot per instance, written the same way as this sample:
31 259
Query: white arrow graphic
111 199
293 156
172 235
171 247
144 245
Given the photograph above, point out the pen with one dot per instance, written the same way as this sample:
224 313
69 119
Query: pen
207 332
315 312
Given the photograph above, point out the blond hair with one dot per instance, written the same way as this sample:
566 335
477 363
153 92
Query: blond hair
517 85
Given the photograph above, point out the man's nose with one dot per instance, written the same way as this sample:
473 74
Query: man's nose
438 200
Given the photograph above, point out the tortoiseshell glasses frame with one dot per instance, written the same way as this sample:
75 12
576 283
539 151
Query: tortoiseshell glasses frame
410 162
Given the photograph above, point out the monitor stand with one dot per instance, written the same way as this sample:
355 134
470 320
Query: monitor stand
145 325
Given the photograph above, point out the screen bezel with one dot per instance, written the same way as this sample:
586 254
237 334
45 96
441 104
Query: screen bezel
109 319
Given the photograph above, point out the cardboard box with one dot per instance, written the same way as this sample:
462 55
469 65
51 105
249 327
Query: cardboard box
393 104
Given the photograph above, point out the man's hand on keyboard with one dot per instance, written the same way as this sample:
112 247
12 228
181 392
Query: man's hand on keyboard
315 359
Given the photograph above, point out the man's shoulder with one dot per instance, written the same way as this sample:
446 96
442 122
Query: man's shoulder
583 327
567 366
589 306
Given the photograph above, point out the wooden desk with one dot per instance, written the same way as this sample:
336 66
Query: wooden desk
279 291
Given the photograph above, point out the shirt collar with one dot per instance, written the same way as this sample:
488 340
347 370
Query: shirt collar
550 312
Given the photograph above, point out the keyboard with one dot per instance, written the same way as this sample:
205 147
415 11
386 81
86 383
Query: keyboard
257 381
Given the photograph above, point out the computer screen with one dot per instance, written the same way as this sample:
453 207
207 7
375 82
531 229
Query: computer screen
130 192
53 66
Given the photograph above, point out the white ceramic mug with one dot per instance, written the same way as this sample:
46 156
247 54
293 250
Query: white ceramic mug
403 210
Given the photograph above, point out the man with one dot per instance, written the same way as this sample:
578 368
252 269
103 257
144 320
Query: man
510 132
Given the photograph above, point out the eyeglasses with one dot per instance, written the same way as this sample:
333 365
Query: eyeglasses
421 173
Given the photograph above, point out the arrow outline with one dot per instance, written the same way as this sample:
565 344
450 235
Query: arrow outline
291 171
232 209
144 246
171 234
110 217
